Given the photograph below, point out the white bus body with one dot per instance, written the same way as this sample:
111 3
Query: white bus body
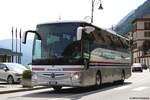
84 56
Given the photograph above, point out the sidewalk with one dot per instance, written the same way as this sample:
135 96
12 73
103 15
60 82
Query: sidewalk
10 88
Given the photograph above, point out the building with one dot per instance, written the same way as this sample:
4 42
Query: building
141 40
7 55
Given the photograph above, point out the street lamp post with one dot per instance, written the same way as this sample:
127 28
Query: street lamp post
100 7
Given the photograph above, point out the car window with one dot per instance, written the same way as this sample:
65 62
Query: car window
2 66
16 66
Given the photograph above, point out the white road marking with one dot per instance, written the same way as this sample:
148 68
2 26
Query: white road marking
121 88
60 99
140 88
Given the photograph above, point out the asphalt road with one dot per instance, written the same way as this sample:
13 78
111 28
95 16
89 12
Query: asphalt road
135 88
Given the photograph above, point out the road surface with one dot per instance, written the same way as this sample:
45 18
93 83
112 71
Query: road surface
135 88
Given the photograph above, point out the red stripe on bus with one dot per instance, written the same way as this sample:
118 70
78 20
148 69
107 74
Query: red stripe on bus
38 69
105 62
72 69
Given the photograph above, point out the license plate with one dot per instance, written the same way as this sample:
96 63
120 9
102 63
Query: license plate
52 83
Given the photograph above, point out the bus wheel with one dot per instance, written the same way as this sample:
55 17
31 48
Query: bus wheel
98 80
57 88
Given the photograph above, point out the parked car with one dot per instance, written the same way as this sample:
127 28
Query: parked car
11 72
144 66
137 67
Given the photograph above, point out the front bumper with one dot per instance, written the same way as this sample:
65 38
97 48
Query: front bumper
17 79
69 79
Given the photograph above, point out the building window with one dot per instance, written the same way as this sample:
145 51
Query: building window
135 35
134 46
146 47
147 25
147 34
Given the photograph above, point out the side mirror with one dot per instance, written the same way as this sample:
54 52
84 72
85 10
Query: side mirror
86 29
24 38
79 33
89 29
25 35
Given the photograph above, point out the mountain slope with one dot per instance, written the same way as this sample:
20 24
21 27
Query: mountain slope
125 25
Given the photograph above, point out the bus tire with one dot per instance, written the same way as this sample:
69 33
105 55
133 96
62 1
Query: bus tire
57 88
98 79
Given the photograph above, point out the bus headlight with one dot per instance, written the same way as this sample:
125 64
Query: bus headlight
76 76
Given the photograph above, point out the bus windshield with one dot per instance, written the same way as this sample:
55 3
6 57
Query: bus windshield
58 42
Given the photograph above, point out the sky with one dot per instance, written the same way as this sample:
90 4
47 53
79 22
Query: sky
26 14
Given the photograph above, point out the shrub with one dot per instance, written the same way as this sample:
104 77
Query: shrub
27 74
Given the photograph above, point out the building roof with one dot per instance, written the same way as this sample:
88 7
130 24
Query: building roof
9 52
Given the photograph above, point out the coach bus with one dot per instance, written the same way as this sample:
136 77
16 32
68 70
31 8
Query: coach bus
78 54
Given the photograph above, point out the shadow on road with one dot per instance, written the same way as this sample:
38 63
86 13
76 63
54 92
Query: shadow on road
4 83
75 93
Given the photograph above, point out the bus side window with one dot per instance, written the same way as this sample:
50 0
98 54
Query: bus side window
118 44
109 42
86 45
121 43
126 44
99 37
